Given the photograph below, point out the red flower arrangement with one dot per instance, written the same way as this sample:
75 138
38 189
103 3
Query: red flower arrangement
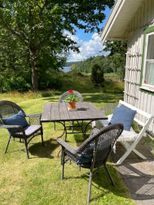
71 97
70 91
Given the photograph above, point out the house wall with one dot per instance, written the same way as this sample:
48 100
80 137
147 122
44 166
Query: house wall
142 99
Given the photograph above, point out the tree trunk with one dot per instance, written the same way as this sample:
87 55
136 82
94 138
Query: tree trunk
34 77
34 71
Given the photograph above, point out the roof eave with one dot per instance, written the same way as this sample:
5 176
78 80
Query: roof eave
117 26
115 11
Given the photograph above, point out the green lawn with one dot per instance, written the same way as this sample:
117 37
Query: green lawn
37 180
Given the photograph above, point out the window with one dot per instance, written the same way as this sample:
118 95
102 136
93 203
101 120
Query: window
148 61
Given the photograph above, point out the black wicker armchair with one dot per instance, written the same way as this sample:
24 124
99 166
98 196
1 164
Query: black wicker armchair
65 95
63 98
93 152
13 118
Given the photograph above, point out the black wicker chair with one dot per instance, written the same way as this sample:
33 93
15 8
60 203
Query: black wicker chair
63 98
65 95
16 130
93 152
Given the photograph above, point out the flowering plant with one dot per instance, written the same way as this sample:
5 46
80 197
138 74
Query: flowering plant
71 97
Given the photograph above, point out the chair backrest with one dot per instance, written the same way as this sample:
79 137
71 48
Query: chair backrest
140 113
65 94
7 109
100 143
141 118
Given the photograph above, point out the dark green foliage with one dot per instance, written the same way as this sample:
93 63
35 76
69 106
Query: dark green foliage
97 75
14 70
53 80
117 51
116 47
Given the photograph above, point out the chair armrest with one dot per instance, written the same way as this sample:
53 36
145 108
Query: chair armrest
11 126
66 146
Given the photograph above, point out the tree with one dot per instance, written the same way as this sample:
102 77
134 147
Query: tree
115 47
39 27
117 56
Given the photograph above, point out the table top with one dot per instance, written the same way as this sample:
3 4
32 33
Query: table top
54 112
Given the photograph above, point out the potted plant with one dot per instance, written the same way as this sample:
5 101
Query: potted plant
71 99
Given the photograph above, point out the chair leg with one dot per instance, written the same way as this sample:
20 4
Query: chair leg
65 131
26 146
42 136
89 187
127 146
62 163
108 174
7 145
54 126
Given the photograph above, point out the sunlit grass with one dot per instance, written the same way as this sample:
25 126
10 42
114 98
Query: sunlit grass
37 180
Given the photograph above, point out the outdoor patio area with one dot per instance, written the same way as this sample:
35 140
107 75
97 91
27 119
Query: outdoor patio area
38 180
138 175
77 102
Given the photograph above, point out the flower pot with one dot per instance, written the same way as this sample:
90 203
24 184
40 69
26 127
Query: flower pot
71 105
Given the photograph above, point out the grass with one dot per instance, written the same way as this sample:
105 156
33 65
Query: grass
37 180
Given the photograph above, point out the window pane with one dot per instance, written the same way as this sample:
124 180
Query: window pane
150 51
149 73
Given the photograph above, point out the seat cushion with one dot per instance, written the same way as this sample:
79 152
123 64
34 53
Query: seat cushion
127 136
17 119
30 130
104 123
123 115
84 158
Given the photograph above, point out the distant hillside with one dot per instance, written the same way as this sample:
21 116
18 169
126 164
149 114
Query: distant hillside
71 63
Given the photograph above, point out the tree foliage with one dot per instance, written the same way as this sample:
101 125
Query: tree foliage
115 47
117 51
34 33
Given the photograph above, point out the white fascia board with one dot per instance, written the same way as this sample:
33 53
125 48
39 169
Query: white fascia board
115 11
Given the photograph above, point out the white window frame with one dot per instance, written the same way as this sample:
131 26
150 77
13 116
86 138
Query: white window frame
145 60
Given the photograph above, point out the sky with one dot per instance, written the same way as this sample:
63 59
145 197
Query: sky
89 43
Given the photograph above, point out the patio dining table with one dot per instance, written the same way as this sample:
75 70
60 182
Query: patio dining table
58 112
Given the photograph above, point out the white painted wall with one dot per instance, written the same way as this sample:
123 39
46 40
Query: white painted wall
133 94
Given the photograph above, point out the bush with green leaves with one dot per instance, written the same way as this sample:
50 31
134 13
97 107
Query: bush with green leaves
97 75
50 80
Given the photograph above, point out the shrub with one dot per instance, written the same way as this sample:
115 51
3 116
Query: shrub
18 83
97 75
50 80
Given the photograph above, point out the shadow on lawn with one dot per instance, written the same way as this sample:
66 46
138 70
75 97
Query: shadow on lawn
94 97
102 97
100 178
43 151
101 182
